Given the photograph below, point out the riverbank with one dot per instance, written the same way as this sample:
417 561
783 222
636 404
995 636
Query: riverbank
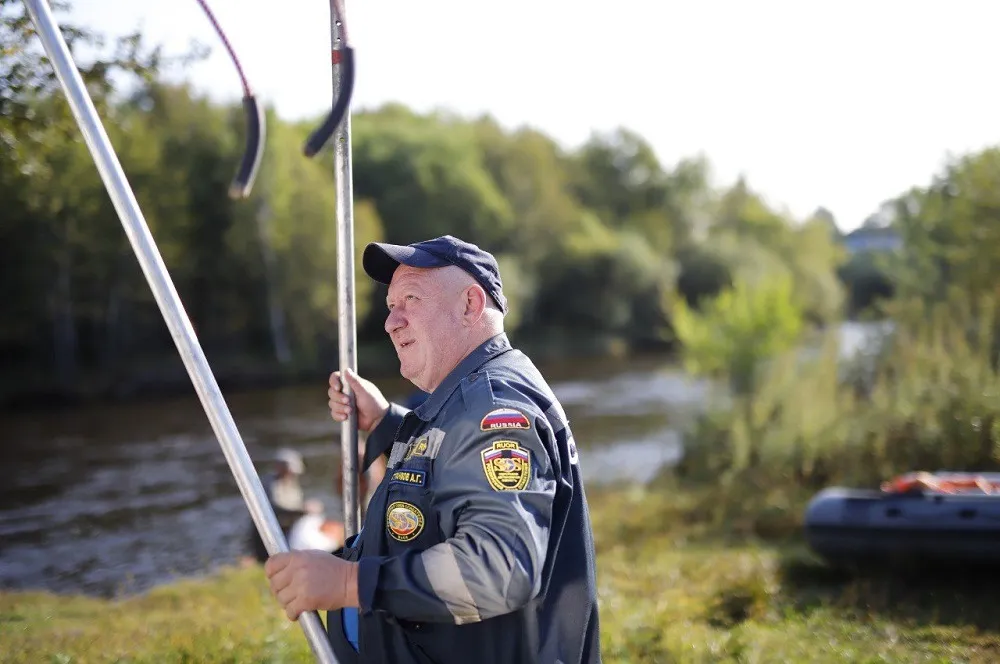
680 580
153 378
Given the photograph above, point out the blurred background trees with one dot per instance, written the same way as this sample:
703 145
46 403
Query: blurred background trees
604 248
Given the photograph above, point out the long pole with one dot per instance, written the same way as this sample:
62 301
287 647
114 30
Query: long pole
347 329
170 305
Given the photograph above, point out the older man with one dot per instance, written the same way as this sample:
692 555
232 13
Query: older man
477 545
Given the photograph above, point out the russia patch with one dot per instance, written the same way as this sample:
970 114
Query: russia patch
504 418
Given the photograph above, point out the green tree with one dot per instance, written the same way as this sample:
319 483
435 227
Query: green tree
735 332
950 230
427 179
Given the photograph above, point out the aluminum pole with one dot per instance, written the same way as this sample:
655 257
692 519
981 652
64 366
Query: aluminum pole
170 305
347 328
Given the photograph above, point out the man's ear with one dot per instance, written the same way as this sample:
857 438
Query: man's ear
474 303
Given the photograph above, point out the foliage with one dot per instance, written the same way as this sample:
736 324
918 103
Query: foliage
926 399
754 241
867 282
737 330
597 243
950 231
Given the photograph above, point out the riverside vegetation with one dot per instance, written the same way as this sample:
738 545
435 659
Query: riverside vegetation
704 564
675 586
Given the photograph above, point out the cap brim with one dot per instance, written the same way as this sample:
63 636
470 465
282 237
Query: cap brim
380 260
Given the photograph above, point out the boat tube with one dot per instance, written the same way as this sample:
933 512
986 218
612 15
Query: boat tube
937 518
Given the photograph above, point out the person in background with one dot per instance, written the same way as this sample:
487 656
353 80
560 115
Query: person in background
314 530
284 492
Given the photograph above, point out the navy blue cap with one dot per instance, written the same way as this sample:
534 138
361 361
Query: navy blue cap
380 260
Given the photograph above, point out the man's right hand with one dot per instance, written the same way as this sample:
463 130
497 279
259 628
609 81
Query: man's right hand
371 404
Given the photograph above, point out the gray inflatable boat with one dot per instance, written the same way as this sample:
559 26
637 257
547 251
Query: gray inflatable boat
941 518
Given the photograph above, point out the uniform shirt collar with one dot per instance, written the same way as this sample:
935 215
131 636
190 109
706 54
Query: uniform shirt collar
489 349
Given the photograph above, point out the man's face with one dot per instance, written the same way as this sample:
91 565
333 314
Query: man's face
425 323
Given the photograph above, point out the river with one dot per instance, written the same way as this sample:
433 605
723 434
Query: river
112 500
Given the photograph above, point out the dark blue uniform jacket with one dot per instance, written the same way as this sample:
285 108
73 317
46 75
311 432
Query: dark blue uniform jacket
477 546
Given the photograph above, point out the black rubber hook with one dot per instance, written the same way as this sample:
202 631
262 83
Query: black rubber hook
256 124
342 57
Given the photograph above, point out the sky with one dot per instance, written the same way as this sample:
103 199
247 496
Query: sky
837 104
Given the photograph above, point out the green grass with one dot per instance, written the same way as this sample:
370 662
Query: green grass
228 617
684 576
676 587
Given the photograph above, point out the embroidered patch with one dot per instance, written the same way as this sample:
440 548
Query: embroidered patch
504 418
404 521
419 449
506 465
412 477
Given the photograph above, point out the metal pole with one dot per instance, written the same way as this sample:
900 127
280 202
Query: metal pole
347 330
166 296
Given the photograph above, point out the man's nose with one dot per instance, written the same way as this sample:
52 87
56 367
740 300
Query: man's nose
393 321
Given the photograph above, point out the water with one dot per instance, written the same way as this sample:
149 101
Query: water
115 499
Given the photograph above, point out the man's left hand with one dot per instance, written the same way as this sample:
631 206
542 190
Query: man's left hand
311 581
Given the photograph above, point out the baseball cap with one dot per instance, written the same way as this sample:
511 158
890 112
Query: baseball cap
381 259
292 459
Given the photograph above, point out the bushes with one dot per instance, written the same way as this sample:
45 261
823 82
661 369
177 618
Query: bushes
930 400
738 329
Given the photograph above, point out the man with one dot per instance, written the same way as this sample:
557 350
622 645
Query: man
284 492
477 545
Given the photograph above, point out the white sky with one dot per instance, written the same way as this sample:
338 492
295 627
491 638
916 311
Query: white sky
842 104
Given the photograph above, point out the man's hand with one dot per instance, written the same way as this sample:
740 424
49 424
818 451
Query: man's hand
372 405
311 581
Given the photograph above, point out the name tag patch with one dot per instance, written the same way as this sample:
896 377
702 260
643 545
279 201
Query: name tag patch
411 477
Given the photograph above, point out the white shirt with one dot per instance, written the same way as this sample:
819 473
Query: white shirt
306 534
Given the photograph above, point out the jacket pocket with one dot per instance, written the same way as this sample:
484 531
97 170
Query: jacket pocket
410 521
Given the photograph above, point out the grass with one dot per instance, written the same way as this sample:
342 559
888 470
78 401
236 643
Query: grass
685 575
228 617
679 585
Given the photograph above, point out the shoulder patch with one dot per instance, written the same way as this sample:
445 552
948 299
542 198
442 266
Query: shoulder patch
504 418
404 520
507 465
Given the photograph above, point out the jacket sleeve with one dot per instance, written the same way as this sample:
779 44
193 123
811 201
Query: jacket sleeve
381 437
498 487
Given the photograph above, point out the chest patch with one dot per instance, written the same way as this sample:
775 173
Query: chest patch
419 449
404 520
504 418
411 477
507 466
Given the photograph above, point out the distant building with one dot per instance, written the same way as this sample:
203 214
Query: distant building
872 239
